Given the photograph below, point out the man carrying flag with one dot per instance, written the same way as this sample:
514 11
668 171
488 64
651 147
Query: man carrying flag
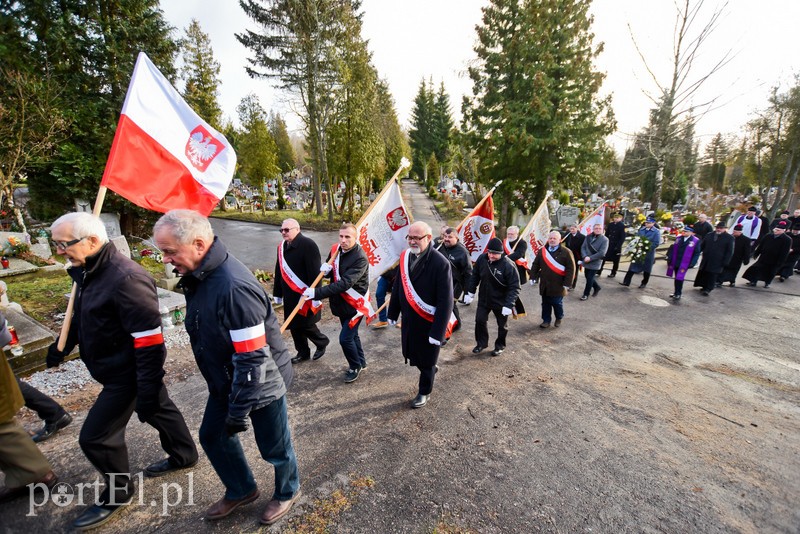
516 250
554 269
423 293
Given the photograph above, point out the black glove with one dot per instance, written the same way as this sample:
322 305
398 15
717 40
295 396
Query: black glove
54 356
146 408
234 426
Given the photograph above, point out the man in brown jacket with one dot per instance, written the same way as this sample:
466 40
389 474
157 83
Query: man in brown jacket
554 269
20 458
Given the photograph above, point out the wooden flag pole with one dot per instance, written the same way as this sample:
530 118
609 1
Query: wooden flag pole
479 204
404 163
62 338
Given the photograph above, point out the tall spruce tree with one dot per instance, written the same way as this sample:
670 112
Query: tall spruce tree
534 117
442 128
395 142
258 155
421 136
200 74
712 169
286 155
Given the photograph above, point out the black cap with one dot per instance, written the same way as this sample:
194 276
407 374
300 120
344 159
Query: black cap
738 228
495 245
721 224
752 208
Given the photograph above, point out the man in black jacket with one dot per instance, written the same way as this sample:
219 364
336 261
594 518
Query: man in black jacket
499 284
615 232
423 292
460 265
238 348
574 241
717 249
516 250
118 325
296 267
742 249
702 227
349 295
771 252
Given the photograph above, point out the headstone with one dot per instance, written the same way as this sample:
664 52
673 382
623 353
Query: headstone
122 245
567 215
42 250
83 205
111 222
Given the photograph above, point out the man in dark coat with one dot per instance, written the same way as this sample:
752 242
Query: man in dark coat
794 254
784 216
645 264
516 250
499 289
295 269
771 253
423 293
460 266
117 324
349 295
594 249
615 232
717 249
574 241
681 257
553 268
741 256
702 227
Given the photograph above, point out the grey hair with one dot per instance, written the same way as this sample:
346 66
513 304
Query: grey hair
554 232
185 226
512 229
84 224
292 221
425 227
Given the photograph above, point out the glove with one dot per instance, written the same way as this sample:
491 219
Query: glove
469 297
532 282
506 311
146 408
325 268
392 322
308 294
277 300
54 356
234 426
434 342
316 303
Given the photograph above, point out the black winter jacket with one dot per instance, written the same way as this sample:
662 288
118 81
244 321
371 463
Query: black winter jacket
499 282
461 266
353 272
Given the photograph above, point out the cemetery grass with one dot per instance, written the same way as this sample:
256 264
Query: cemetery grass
307 220
43 298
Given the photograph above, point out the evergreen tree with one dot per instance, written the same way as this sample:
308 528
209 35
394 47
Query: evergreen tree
200 74
395 143
258 155
442 127
712 170
421 136
534 117
286 155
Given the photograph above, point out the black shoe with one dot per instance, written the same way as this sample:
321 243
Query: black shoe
478 349
9 494
766 286
717 285
98 514
624 284
498 351
676 296
585 297
596 291
352 375
732 284
419 401
165 467
751 284
319 353
704 293
781 279
544 325
642 286
301 358
612 275
51 428
557 323
444 342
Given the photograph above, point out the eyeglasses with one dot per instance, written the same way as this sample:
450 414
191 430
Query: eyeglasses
65 244
415 237
287 230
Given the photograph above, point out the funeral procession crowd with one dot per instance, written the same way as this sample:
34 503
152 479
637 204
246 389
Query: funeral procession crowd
236 337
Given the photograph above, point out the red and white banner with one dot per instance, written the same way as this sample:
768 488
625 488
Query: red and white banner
478 229
382 233
535 233
164 156
359 302
598 216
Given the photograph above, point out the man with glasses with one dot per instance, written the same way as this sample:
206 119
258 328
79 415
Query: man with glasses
118 326
349 296
295 269
460 266
423 293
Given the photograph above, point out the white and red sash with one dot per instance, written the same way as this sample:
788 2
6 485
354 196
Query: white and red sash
359 302
551 262
147 338
249 339
295 284
423 309
522 262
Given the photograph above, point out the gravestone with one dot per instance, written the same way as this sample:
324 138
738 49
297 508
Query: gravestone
567 215
83 205
122 245
111 222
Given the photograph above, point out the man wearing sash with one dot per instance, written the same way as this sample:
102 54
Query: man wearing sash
554 269
423 293
297 266
460 266
517 251
349 295
681 257
499 283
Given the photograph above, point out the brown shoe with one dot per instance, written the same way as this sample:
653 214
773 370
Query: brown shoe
276 509
224 507
9 494
557 323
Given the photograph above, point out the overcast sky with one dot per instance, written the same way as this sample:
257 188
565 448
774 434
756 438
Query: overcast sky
416 39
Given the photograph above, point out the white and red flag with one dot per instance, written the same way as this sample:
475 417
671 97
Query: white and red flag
382 232
598 216
478 228
164 156
535 232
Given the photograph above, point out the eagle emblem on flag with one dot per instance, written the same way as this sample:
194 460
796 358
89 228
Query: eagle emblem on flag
202 148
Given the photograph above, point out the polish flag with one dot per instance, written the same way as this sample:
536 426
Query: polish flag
598 216
382 232
476 231
164 156
535 232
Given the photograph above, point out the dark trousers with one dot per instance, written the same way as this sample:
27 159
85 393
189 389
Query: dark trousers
48 410
426 376
678 287
384 286
614 265
351 343
629 277
102 437
552 305
302 334
482 327
591 283
274 440
458 316
519 307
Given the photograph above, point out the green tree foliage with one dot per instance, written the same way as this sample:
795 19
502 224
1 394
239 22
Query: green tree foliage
286 155
422 136
258 154
442 127
712 169
534 118
395 141
200 74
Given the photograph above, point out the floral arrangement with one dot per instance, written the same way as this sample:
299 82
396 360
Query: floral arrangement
637 246
15 247
152 254
262 276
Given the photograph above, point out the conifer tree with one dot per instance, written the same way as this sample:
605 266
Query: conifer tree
200 74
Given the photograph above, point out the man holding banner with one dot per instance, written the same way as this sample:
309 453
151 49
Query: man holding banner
423 293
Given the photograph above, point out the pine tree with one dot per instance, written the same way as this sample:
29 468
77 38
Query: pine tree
442 127
421 135
286 155
200 74
258 155
712 170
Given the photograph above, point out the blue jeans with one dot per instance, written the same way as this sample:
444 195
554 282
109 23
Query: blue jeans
380 297
351 343
271 431
591 283
550 304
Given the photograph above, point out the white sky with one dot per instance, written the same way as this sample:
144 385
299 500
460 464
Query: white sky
416 39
